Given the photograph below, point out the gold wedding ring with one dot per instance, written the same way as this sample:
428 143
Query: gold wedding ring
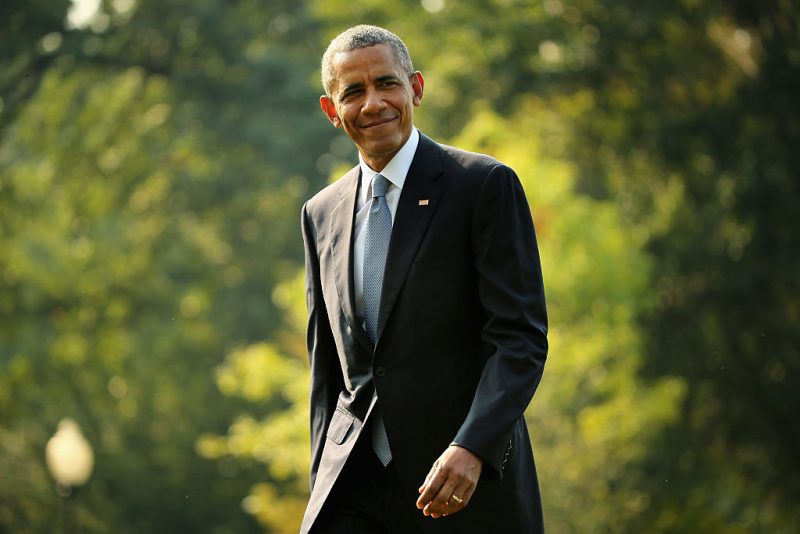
458 499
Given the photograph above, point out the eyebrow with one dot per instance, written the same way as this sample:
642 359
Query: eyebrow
386 78
359 85
352 86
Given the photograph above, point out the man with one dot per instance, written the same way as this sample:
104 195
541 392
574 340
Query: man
426 319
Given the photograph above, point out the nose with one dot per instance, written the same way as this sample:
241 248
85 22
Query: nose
373 102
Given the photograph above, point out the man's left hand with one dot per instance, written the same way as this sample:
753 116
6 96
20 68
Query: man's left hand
450 482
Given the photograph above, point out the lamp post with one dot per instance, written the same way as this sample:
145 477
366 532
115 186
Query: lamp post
70 459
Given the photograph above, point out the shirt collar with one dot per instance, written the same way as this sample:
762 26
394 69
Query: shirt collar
396 170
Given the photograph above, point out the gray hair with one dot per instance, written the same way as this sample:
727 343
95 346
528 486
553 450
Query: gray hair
363 36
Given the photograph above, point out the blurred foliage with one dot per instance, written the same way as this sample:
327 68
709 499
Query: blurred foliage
146 211
590 444
280 439
153 158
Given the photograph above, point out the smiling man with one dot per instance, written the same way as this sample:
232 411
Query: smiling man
427 330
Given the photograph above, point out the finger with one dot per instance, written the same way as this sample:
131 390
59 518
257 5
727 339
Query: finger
428 476
434 468
431 488
440 503
430 491
464 492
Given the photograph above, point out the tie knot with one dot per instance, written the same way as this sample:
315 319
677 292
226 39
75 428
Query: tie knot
379 186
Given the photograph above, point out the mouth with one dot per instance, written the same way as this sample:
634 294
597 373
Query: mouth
378 122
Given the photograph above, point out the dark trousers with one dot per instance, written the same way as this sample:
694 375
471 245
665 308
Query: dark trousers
367 498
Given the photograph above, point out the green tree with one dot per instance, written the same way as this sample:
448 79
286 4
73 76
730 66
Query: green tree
276 376
153 157
591 446
147 208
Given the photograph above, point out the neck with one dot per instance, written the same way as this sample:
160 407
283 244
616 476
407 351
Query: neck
379 163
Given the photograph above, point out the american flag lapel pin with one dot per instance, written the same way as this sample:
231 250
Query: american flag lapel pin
424 202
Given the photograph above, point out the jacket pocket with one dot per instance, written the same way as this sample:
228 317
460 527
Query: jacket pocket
341 424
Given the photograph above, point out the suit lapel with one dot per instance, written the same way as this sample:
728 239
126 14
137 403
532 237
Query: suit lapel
418 201
342 219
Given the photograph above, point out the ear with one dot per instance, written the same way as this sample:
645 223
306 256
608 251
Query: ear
417 86
329 109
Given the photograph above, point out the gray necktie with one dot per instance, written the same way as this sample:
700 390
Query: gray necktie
376 246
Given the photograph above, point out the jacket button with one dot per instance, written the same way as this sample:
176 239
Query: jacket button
380 371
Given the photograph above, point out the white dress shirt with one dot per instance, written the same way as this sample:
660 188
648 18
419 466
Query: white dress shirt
395 171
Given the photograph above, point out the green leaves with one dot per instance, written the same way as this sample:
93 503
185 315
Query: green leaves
152 164
593 420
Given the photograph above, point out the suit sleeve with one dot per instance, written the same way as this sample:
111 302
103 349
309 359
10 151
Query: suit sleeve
325 376
511 293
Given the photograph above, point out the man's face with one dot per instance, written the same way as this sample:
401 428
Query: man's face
373 99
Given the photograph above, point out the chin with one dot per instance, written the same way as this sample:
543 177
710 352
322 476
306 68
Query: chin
387 145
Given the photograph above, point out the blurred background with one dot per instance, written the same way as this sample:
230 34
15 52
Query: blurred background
154 156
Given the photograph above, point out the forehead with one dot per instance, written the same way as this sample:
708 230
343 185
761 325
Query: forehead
364 64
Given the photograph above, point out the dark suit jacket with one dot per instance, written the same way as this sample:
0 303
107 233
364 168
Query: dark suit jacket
461 335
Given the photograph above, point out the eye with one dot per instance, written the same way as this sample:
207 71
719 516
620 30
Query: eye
349 95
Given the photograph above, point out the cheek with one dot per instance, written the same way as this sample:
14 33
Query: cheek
348 116
408 106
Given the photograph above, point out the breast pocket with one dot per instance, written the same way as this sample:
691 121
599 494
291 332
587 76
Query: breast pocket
341 426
